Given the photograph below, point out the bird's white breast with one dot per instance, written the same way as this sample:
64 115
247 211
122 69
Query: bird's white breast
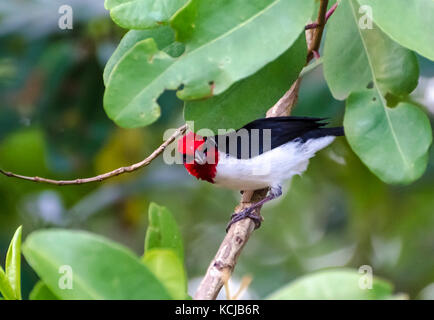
270 168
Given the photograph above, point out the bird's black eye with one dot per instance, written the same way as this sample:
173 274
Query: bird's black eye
187 159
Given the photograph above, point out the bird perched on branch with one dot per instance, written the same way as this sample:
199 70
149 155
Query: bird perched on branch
262 154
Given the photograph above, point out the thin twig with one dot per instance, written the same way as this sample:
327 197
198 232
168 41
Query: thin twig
327 17
107 175
318 32
237 236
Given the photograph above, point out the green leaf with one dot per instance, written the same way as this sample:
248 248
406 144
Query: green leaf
237 106
41 292
411 23
5 287
142 14
225 41
13 263
169 269
392 146
10 281
98 267
392 142
355 57
163 232
164 37
337 284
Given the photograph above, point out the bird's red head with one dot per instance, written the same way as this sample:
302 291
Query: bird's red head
193 147
189 143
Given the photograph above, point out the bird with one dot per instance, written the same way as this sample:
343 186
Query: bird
262 154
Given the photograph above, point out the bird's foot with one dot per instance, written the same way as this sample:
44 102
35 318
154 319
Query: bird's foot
246 213
275 191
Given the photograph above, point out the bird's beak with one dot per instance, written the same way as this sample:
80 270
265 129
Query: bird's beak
200 157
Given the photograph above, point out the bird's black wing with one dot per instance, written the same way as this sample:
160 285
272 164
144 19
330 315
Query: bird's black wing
265 134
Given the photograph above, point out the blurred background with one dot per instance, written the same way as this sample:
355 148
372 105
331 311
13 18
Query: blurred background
52 124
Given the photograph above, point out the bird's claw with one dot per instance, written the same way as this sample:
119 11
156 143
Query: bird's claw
246 213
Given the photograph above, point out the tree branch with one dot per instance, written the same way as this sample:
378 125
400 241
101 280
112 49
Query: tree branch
328 15
101 177
237 236
318 32
223 264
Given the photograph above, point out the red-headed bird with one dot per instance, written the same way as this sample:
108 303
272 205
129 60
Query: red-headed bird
262 154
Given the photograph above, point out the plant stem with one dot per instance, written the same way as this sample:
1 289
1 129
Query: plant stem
318 32
328 15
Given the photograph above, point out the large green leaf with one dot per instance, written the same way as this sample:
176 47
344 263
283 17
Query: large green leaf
392 142
169 269
237 106
225 41
13 263
333 285
41 292
101 269
142 14
164 37
354 57
163 232
411 23
393 146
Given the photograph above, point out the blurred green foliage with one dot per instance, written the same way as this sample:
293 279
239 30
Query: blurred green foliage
52 124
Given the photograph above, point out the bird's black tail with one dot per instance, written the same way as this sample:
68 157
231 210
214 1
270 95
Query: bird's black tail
337 131
323 132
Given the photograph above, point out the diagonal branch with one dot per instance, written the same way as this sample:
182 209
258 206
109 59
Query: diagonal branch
328 15
318 32
224 262
107 175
